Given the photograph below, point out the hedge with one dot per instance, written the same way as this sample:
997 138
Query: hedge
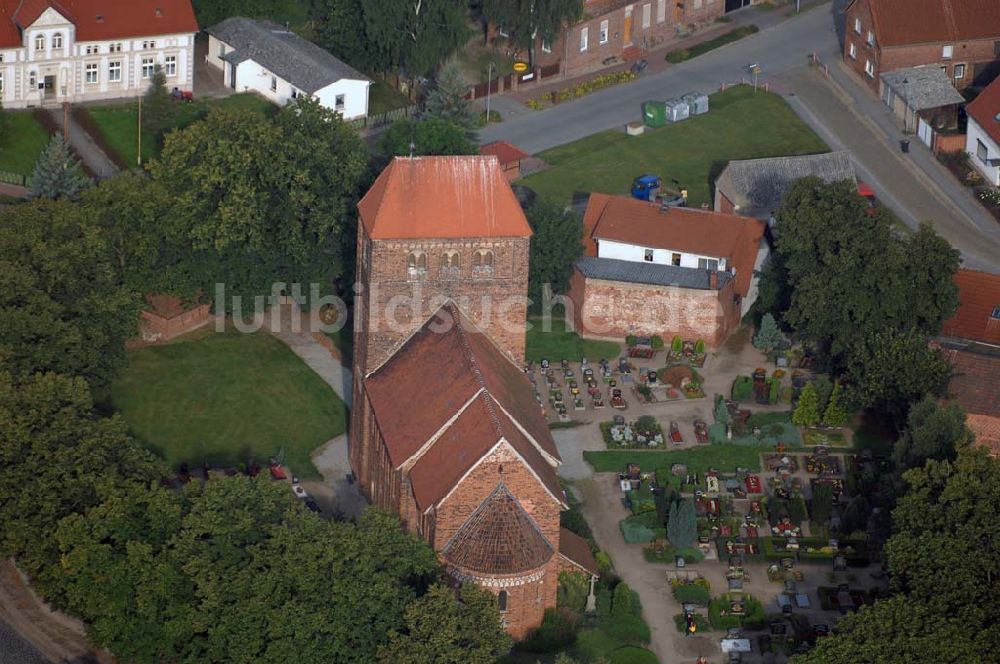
692 593
742 388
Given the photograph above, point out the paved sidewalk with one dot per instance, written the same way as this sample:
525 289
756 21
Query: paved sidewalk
312 352
914 186
93 157
13 190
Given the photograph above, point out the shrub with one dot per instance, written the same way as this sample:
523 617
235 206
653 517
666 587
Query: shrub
632 655
700 621
692 593
677 344
557 632
656 342
699 347
742 388
752 618
573 591
678 55
494 118
625 601
630 341
603 603
627 629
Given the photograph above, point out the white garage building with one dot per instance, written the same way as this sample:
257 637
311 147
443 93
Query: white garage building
269 59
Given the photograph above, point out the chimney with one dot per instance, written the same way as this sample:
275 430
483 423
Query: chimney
713 279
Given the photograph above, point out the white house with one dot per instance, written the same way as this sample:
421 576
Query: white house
982 139
82 50
278 64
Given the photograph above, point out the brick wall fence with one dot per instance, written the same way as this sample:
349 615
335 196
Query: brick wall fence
156 328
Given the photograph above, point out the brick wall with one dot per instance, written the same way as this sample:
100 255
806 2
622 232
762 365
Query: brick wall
986 429
616 309
157 328
972 54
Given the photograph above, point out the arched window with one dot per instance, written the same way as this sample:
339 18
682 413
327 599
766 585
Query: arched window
482 261
451 263
416 263
57 40
40 43
502 600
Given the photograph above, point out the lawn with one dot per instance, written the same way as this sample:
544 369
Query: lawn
223 398
383 98
23 140
562 344
740 125
724 458
119 123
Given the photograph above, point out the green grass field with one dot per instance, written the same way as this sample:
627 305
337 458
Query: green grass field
383 98
23 140
224 398
724 458
560 343
740 125
119 123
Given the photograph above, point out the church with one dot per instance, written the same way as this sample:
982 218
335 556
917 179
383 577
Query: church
446 431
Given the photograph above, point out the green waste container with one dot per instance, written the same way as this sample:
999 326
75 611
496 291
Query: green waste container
654 113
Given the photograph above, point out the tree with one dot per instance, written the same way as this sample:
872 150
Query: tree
443 629
446 101
62 307
682 526
930 266
806 413
431 136
856 515
337 30
210 12
835 414
252 210
889 370
824 390
528 20
822 503
556 242
722 414
932 432
415 37
768 335
158 112
57 173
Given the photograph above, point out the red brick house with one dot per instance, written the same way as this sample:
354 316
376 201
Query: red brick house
978 315
669 271
960 36
622 30
446 431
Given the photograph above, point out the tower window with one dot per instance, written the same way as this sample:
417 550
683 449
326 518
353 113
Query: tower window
451 262
482 261
416 263
502 600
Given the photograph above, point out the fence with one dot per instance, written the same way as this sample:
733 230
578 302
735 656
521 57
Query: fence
381 119
15 179
504 83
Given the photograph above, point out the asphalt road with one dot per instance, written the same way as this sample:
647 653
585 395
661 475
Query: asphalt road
777 50
15 650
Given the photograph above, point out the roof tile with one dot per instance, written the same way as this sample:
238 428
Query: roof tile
99 19
978 296
985 110
903 22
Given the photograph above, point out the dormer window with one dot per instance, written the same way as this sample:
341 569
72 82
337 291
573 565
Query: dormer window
416 263
451 263
57 40
40 43
482 262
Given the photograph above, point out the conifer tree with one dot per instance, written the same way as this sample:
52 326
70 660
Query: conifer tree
836 412
57 173
447 100
807 409
768 335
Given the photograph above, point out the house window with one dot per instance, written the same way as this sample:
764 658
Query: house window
416 263
115 71
603 36
996 313
947 51
148 45
482 261
274 84
708 264
32 81
92 50
661 11
852 50
295 93
1 82
502 600
57 40
338 102
996 48
450 263
982 152
170 65
857 25
959 71
584 34
222 49
871 38
147 67
869 69
675 259
115 48
645 15
91 72
40 43
546 46
648 255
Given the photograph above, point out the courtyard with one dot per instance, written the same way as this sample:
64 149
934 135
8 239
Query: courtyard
226 398
741 124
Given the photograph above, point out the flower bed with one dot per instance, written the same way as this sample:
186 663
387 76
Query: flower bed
668 554
720 617
581 89
695 591
701 623
645 426
835 438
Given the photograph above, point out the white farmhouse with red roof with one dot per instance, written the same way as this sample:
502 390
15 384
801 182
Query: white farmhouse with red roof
54 51
982 140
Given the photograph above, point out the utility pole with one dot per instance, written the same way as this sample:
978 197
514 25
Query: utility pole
138 133
66 120
489 86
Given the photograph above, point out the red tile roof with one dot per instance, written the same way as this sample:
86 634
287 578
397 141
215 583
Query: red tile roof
500 537
442 197
629 220
100 19
978 295
985 110
575 549
902 22
504 152
451 370
975 387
